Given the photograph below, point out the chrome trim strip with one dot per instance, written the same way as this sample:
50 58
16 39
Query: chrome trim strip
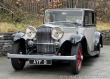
42 57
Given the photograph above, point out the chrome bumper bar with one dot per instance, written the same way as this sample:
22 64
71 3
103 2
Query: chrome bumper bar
42 57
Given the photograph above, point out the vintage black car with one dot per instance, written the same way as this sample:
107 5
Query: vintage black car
66 35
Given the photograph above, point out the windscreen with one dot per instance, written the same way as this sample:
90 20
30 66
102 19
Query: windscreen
64 16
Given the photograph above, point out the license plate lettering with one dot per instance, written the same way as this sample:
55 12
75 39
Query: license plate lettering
41 62
45 61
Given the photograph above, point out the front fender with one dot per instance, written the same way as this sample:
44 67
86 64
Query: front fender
65 48
76 38
19 35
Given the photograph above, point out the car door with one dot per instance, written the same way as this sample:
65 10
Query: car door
90 28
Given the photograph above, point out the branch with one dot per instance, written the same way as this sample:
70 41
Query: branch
3 7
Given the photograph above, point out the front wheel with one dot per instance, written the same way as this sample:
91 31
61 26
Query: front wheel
18 64
76 64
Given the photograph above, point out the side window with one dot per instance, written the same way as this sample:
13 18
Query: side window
89 18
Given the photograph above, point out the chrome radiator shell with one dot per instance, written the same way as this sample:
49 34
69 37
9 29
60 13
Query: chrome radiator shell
43 39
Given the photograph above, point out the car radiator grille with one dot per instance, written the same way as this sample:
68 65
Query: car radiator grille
43 41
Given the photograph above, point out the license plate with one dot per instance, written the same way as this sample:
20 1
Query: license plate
40 62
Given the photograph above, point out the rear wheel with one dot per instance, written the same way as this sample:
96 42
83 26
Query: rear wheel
18 64
98 49
76 64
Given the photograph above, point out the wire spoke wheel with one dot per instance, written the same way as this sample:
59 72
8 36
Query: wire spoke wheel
79 60
76 64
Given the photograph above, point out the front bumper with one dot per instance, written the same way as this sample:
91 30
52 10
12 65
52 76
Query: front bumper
42 57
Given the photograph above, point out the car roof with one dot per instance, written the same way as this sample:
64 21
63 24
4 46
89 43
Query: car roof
71 9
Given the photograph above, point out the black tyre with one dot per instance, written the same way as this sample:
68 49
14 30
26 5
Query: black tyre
76 64
18 64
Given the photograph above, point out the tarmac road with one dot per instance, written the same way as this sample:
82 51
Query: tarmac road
92 68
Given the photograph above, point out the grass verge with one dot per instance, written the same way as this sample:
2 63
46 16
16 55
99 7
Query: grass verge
13 27
103 25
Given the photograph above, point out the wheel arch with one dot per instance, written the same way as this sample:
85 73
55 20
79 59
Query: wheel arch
98 38
65 48
101 40
84 46
22 43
